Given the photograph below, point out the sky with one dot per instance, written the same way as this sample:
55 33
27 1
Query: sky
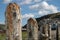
31 8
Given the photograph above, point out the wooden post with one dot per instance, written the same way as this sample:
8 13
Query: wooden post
13 22
49 32
32 29
57 32
45 32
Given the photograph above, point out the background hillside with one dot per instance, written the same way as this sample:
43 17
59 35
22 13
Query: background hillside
52 16
2 27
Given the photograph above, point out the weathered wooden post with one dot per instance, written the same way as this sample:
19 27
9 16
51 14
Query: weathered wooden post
49 28
13 22
57 30
45 32
32 29
49 32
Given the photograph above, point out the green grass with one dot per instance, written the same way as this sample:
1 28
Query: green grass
2 36
24 36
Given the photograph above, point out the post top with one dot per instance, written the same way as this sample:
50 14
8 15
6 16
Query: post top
12 7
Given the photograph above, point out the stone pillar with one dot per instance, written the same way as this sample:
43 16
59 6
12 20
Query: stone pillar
57 31
13 22
49 32
32 29
45 32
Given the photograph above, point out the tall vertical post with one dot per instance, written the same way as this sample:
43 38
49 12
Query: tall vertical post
49 32
57 32
32 29
45 32
49 28
13 22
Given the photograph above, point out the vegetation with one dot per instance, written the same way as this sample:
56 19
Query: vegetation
24 36
2 36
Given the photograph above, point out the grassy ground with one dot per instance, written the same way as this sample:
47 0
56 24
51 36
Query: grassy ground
24 36
2 36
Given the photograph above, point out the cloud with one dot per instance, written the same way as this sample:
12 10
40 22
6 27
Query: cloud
26 2
29 1
43 12
37 0
7 1
32 1
44 8
27 16
47 0
34 6
2 23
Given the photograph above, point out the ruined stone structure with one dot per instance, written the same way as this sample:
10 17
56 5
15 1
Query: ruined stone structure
13 22
48 27
52 21
36 30
32 29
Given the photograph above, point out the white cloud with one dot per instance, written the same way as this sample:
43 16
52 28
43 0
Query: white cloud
37 0
2 23
34 6
53 8
47 0
27 16
7 1
26 2
42 5
29 1
44 8
43 12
